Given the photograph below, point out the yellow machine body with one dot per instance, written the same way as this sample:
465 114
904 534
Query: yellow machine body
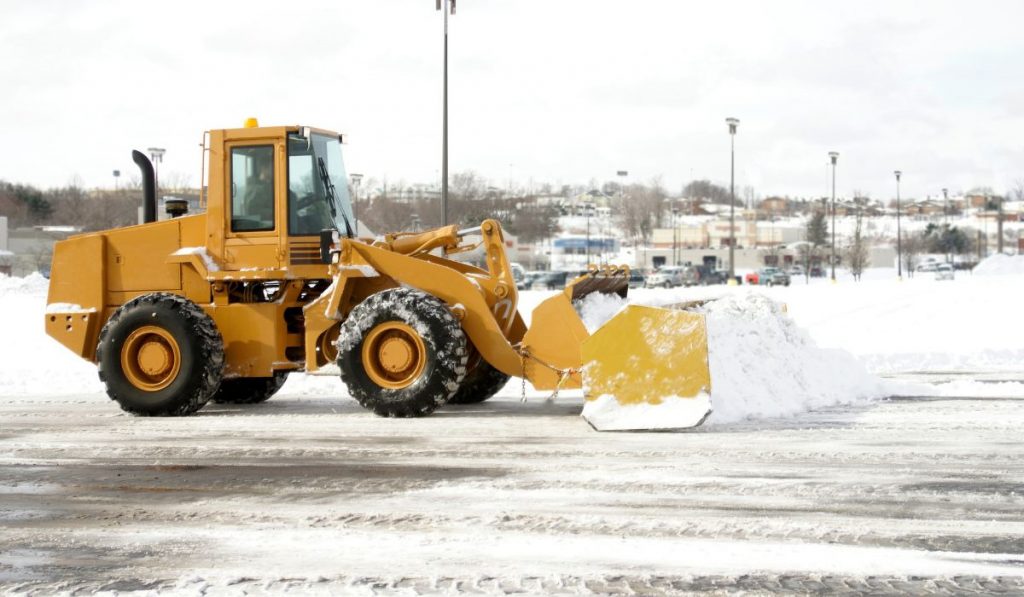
278 306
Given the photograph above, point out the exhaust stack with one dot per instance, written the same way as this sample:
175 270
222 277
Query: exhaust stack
148 186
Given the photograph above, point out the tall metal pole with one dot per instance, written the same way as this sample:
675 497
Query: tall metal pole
587 264
156 154
834 156
899 237
444 139
945 206
444 118
733 123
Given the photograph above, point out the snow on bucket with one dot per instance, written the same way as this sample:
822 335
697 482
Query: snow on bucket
757 364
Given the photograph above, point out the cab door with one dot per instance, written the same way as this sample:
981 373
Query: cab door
255 214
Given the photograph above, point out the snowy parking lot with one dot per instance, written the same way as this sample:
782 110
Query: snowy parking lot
921 490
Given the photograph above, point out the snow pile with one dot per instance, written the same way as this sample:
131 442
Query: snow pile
1000 265
33 363
762 365
33 284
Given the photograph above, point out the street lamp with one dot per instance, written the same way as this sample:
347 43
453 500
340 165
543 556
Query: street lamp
833 155
675 235
586 211
117 174
733 123
444 135
945 206
356 179
899 238
156 154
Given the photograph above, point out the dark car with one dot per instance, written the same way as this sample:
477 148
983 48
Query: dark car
636 278
709 275
551 281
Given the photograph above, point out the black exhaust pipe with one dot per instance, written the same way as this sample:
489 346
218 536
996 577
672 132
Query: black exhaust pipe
148 186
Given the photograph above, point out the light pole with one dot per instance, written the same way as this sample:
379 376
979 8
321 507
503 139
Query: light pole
356 180
117 174
444 134
945 206
156 154
586 211
899 237
834 156
733 123
675 231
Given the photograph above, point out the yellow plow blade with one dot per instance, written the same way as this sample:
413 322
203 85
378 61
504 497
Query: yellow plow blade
647 369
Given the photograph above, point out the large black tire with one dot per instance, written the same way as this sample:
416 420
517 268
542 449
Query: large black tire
178 332
481 383
425 326
249 390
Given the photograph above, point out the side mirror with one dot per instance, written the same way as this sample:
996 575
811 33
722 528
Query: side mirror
326 240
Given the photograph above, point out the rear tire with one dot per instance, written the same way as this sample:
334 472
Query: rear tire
402 353
483 382
160 355
249 390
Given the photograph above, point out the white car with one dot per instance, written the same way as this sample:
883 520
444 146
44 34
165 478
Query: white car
944 271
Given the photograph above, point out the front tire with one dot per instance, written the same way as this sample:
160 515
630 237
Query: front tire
402 353
160 355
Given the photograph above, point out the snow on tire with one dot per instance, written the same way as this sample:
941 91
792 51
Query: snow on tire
402 353
160 355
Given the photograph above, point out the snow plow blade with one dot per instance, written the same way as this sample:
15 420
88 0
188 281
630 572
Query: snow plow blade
646 369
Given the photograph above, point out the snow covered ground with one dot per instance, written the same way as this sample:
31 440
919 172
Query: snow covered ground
907 472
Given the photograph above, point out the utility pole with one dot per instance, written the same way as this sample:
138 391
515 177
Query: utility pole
834 156
157 155
444 119
899 251
356 180
733 123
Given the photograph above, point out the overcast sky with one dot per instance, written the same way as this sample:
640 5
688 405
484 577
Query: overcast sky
560 91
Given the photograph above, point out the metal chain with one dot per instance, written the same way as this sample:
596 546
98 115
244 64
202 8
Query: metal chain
522 361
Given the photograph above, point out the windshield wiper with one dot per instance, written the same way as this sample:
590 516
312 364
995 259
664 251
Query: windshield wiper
332 200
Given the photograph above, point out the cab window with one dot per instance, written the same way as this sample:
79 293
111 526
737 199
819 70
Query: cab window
308 211
252 188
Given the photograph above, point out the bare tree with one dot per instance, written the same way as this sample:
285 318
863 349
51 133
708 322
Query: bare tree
856 249
912 246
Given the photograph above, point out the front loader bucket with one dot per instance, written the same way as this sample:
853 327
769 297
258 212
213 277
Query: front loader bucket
647 369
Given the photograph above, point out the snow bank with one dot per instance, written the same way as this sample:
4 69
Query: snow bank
33 284
1000 265
762 365
33 363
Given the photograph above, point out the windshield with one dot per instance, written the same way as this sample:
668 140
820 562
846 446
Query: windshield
317 186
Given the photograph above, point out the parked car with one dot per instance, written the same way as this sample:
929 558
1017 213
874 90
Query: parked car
550 281
752 278
817 272
526 282
796 271
944 271
518 271
672 276
637 278
768 276
708 275
928 266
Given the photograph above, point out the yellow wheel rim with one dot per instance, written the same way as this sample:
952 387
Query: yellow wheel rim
394 355
150 358
329 344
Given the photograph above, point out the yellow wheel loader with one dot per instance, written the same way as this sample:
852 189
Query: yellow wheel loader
271 279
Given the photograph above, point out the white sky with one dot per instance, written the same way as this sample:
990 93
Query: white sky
555 91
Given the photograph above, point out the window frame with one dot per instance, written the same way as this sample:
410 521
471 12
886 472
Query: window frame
231 187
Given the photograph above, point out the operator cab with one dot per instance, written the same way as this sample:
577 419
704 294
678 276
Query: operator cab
284 186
